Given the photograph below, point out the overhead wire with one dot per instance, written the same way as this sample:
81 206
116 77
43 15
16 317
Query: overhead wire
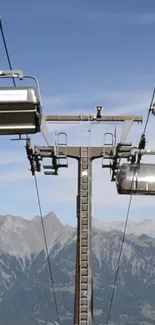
118 263
46 248
149 111
125 225
36 186
6 49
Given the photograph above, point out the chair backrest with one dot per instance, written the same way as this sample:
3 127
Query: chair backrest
20 111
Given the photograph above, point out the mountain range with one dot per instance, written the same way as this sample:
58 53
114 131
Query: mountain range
25 291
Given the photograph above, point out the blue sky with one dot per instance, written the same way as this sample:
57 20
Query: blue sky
84 53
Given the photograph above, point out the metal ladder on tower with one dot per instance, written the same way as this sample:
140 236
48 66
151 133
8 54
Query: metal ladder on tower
111 142
62 143
84 242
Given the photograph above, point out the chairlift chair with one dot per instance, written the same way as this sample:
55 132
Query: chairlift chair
136 179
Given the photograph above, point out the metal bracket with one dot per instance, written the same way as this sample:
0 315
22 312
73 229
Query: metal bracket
152 109
122 151
37 155
20 138
33 158
12 74
45 131
123 147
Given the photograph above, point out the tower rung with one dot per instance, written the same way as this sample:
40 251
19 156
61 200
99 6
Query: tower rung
84 207
84 321
84 196
84 279
84 249
84 316
84 272
84 242
84 193
84 309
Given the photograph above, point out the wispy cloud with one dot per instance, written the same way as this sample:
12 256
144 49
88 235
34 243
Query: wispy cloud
123 18
116 102
80 98
121 103
70 11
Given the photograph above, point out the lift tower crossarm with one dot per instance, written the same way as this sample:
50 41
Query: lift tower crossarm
74 152
92 118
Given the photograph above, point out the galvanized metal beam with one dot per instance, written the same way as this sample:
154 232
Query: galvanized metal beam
92 118
74 152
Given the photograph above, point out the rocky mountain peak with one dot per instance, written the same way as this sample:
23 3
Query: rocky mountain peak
12 221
